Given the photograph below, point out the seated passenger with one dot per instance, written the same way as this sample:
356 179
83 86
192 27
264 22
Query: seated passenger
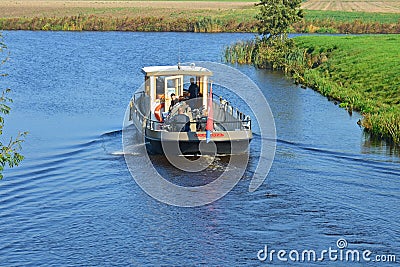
180 122
174 101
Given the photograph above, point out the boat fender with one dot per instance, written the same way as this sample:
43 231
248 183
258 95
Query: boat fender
157 112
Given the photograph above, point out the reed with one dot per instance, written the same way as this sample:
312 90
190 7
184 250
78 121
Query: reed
243 52
213 20
353 27
384 124
144 24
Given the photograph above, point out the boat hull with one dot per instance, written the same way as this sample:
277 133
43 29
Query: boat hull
193 148
194 143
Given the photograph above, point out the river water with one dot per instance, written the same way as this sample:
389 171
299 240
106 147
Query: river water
73 201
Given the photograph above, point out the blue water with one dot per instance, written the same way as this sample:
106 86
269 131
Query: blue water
73 202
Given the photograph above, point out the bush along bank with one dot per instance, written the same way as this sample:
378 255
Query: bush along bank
361 72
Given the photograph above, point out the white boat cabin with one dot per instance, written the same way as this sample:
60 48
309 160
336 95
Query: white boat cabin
162 81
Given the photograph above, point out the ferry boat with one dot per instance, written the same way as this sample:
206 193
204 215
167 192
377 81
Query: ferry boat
177 113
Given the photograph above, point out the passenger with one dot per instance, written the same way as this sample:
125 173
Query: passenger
180 122
174 101
193 89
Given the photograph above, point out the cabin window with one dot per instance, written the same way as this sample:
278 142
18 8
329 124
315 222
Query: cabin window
147 85
198 81
160 84
173 87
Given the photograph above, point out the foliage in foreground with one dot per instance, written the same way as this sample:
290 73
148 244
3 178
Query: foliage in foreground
9 152
359 71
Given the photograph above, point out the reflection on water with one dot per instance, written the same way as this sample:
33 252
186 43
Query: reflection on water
213 168
74 202
375 145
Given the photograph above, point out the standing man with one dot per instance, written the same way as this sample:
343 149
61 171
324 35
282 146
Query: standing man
193 89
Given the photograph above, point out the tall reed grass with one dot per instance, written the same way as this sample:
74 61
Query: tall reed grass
354 27
210 23
144 24
384 124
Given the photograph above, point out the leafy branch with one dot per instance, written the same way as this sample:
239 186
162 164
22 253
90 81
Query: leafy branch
10 153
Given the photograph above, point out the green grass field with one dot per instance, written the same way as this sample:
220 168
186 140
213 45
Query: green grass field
361 64
363 73
343 16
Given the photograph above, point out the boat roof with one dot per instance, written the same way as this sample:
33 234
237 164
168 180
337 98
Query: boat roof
191 70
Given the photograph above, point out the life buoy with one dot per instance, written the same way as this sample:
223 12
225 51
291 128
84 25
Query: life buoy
157 112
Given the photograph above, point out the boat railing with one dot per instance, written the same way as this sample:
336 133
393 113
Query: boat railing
143 120
134 111
198 125
240 120
234 112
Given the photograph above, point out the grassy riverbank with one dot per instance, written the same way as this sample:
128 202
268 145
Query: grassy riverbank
362 72
197 16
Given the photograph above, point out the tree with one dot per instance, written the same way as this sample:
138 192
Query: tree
274 20
276 16
9 153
